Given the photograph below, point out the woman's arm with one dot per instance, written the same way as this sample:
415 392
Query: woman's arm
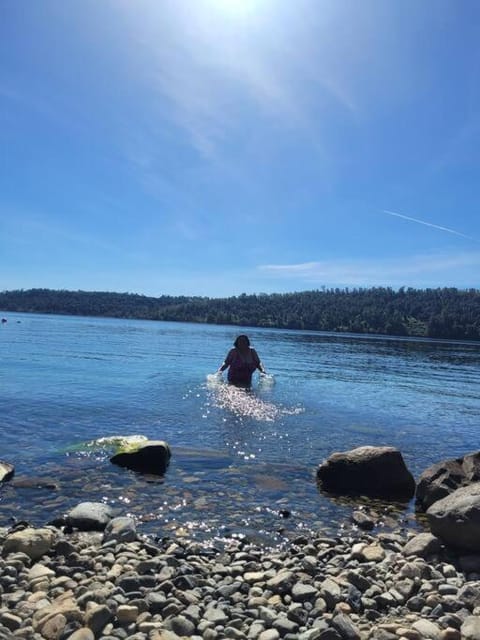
260 366
228 361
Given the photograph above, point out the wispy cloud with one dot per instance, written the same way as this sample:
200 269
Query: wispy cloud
429 224
208 66
419 270
36 231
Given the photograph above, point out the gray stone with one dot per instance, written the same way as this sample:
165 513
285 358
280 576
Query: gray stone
234 634
182 626
127 614
469 595
330 592
84 633
456 518
470 629
283 625
443 478
303 592
310 634
329 634
372 471
33 542
129 582
53 628
215 615
363 521
423 545
121 529
269 634
97 617
282 582
427 629
345 627
90 516
11 621
358 580
405 587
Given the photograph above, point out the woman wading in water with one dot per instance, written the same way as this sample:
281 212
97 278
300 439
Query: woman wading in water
241 362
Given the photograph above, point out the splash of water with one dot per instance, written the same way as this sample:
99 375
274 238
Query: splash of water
244 402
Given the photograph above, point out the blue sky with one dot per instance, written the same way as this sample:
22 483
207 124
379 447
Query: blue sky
214 147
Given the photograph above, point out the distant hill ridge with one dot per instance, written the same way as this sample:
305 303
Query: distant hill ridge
436 313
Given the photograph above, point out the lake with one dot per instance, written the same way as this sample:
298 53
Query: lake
240 460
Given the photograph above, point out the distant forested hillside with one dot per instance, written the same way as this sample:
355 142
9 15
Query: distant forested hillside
436 313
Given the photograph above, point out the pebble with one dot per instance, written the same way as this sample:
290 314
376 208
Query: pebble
122 587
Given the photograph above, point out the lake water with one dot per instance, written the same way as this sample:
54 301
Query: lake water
240 460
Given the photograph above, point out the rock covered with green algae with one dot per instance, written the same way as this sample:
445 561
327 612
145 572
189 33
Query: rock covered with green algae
152 456
7 471
135 452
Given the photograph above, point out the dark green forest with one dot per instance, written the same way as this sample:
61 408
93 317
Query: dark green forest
435 313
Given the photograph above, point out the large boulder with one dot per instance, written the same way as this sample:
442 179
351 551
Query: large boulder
456 518
372 471
152 457
443 478
6 471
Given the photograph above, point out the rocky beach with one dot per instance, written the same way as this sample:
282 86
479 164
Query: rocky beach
94 577
91 575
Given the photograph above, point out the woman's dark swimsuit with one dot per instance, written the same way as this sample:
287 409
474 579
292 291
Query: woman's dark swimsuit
240 372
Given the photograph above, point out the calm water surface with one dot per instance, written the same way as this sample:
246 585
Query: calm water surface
239 459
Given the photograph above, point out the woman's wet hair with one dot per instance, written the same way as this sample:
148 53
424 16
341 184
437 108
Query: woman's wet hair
241 337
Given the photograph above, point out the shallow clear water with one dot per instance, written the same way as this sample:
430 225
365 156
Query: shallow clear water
239 458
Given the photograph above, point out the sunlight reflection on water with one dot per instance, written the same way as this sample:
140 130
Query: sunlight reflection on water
245 402
239 458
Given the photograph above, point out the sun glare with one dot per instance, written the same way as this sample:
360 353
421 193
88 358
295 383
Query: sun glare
237 7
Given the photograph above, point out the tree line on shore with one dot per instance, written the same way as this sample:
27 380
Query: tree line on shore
435 313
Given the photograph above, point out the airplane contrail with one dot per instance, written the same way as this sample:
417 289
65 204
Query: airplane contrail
429 224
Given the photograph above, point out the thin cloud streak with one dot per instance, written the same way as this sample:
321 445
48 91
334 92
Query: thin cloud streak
429 224
394 272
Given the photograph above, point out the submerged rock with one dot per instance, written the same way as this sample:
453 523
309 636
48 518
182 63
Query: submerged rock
372 471
443 478
152 457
